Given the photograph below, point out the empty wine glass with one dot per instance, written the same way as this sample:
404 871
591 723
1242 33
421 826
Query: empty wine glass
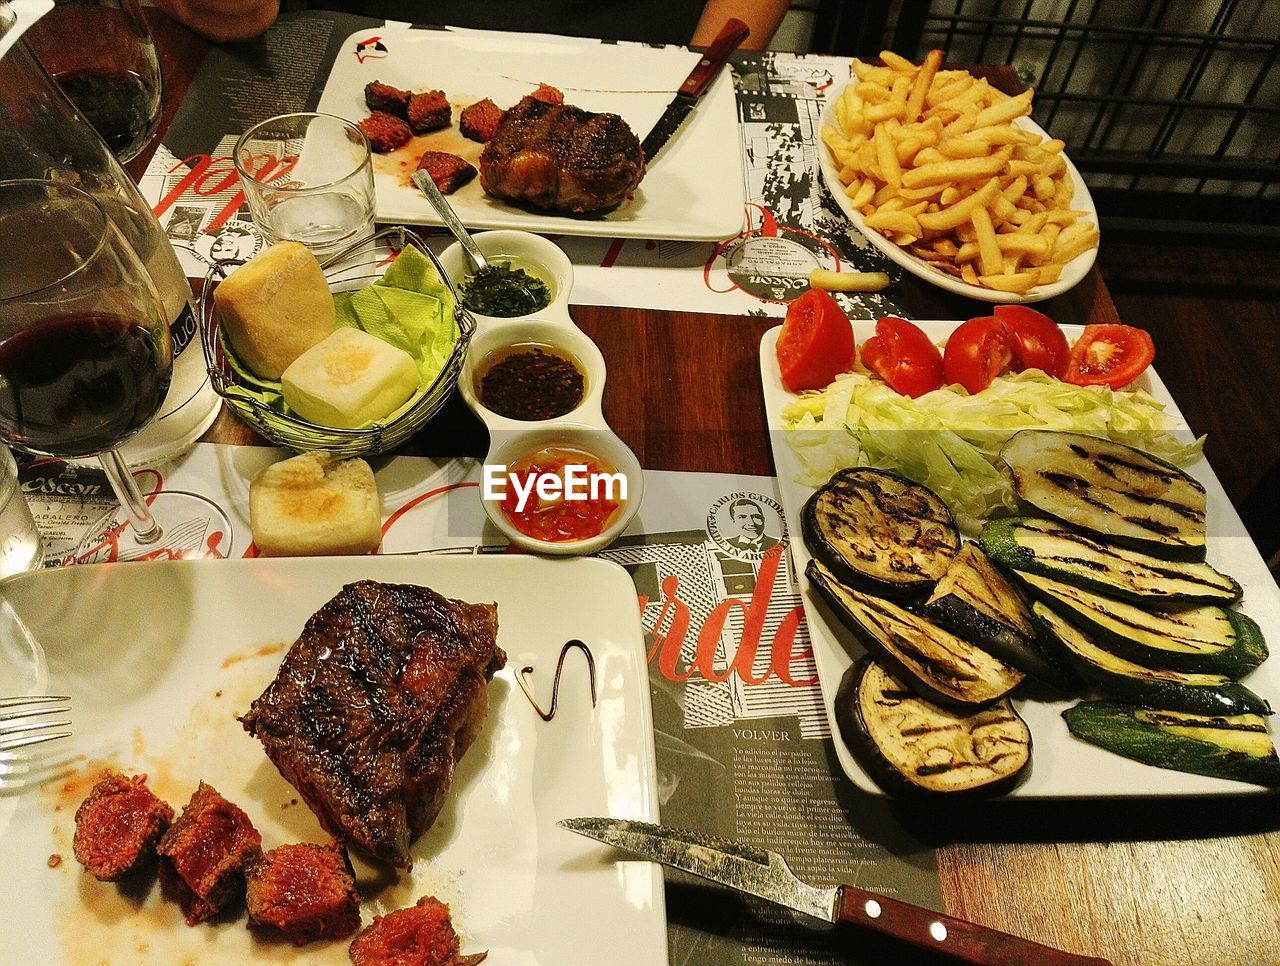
103 57
85 352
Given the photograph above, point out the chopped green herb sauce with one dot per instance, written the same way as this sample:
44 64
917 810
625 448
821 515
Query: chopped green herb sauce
504 292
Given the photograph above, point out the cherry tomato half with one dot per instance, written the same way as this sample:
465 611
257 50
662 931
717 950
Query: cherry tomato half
1110 355
1035 339
902 355
816 343
977 352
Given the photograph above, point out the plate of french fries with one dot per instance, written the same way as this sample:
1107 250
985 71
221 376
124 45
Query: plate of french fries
951 179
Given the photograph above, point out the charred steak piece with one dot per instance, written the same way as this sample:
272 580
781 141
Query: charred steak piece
448 171
561 158
545 92
374 704
385 132
429 112
306 891
478 121
118 825
383 97
208 848
421 935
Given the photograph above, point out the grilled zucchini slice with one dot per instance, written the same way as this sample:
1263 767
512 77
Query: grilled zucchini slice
1115 491
976 601
1053 549
879 532
1205 638
937 664
915 749
1236 746
1212 694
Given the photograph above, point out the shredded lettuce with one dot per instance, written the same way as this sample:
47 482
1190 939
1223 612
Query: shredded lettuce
950 440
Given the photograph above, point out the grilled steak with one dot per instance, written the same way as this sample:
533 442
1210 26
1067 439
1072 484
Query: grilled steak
387 99
448 171
429 112
385 132
306 891
374 704
118 826
478 121
560 158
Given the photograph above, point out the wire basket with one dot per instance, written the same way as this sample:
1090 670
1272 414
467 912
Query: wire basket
350 269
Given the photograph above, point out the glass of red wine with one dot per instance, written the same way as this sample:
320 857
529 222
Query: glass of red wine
103 57
85 353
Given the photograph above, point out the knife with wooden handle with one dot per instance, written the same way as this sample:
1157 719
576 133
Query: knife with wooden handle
766 875
695 85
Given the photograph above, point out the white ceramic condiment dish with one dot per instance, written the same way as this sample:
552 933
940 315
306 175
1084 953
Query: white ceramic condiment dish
582 428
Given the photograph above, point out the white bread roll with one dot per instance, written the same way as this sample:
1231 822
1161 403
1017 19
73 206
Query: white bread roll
310 505
349 380
275 307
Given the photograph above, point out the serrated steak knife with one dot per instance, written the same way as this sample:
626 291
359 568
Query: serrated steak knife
766 875
695 85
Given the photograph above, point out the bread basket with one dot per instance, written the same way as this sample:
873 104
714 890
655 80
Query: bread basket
350 269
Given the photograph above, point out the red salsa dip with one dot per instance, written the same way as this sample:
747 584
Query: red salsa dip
558 520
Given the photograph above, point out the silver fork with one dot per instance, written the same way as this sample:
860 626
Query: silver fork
32 733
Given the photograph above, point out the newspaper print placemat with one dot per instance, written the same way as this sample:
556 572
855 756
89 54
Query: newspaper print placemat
791 224
743 746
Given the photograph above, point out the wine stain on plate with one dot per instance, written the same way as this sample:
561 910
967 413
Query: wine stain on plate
132 921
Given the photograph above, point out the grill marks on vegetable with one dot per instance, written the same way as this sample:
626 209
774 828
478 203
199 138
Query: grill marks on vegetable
1109 489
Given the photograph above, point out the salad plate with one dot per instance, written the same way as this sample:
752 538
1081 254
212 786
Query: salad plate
693 191
159 660
1062 766
1073 272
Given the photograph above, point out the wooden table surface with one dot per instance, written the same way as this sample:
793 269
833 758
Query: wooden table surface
1191 882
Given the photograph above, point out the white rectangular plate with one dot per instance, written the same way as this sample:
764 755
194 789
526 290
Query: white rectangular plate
158 659
1061 766
694 190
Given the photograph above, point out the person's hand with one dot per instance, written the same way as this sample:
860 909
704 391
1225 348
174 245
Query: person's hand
223 20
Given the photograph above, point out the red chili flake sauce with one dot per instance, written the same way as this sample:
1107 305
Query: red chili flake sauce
531 382
559 520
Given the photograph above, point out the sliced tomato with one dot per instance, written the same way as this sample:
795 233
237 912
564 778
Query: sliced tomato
902 355
1110 355
977 352
1035 339
816 343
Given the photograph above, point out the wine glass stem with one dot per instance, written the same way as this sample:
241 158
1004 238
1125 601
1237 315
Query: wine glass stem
145 528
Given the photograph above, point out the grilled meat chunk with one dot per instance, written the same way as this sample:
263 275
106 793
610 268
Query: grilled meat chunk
385 132
561 158
118 825
429 112
478 121
306 891
383 97
448 171
372 706
421 935
208 848
548 94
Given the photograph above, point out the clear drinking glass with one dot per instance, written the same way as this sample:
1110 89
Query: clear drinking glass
308 178
85 351
103 57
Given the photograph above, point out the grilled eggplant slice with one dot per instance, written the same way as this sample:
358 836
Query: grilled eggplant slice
1053 549
1236 747
1206 638
976 601
1115 491
881 533
1212 694
915 749
933 661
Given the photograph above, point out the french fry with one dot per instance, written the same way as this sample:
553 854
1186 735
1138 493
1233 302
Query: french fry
1006 111
969 275
962 210
1065 252
923 81
1020 282
1049 273
888 157
830 281
897 62
862 196
940 172
988 251
898 221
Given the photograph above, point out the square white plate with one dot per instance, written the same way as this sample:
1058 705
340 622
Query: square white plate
694 190
159 657
1062 766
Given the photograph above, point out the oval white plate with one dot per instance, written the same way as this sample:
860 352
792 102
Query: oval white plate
1072 273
